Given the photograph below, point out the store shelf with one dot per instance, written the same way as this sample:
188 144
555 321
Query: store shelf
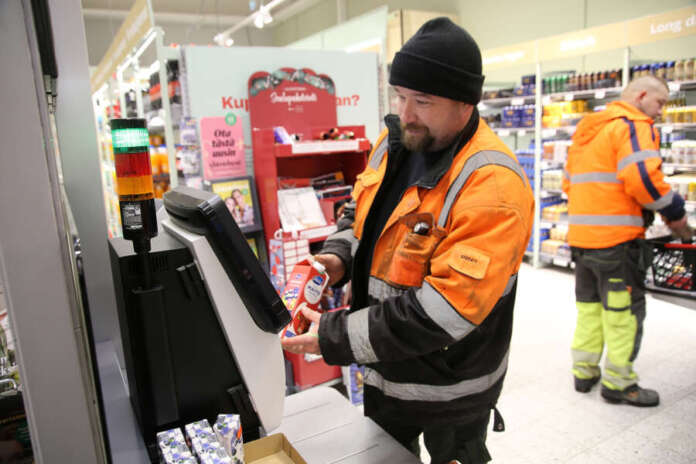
560 261
678 86
552 192
676 126
596 94
328 147
553 131
671 168
505 101
548 165
545 223
513 131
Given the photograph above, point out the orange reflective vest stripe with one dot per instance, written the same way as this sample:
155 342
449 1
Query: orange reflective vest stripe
479 216
611 174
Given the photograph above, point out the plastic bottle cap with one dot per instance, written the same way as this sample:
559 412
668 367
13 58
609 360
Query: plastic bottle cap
319 267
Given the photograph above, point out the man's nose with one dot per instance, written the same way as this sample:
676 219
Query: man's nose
406 113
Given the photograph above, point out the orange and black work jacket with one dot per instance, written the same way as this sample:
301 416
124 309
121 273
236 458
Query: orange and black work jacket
612 173
431 318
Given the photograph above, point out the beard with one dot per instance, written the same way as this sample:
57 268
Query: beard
415 137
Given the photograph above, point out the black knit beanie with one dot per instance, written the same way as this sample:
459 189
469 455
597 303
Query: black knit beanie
440 59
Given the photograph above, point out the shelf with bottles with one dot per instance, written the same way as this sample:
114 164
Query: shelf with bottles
505 101
678 153
553 242
684 184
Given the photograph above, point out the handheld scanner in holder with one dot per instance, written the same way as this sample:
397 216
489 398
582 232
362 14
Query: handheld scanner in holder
204 213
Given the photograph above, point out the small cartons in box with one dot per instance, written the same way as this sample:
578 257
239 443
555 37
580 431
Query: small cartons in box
211 452
170 437
184 457
199 429
228 430
273 449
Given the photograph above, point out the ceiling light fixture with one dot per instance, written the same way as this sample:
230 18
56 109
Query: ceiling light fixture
258 20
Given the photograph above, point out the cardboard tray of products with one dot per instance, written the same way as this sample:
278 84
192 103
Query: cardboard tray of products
273 449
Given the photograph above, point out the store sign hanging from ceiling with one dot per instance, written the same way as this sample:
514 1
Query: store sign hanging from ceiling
670 25
297 99
136 26
591 40
509 56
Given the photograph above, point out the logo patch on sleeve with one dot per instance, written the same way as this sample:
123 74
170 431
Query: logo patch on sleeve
469 261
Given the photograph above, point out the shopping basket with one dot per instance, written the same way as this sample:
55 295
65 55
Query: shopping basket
672 268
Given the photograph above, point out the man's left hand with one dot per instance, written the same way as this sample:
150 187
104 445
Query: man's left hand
308 342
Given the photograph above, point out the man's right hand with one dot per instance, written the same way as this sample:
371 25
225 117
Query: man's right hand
681 229
334 267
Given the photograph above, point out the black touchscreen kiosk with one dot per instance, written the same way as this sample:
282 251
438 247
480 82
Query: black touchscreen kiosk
205 213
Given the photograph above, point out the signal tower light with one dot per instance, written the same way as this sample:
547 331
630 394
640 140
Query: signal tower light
130 140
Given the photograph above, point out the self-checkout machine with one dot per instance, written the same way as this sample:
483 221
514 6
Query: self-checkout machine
199 320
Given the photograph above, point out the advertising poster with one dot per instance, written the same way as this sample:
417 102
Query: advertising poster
239 199
217 80
222 144
297 99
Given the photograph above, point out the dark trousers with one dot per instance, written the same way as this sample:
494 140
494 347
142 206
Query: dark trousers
610 299
463 442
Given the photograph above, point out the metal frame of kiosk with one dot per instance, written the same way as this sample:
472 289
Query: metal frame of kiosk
210 348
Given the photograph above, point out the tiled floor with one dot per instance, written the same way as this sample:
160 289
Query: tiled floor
548 422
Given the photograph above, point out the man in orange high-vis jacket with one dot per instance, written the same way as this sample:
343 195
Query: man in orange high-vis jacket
432 244
613 179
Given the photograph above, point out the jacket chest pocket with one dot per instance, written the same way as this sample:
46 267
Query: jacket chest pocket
416 238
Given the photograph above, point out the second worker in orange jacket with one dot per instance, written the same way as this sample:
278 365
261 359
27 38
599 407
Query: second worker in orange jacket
614 181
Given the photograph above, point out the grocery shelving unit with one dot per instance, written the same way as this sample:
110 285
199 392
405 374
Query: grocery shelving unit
541 53
124 69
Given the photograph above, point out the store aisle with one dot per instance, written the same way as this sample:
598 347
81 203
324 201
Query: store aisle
548 422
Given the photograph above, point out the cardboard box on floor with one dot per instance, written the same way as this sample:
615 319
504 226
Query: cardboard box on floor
273 449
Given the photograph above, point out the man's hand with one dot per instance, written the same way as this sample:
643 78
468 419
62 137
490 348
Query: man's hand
334 266
305 343
681 229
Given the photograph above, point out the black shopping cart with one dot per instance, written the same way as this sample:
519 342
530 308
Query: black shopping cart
672 268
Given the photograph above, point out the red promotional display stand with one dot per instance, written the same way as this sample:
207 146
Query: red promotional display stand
303 103
273 160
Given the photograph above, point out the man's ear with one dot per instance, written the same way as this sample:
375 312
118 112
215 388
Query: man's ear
465 110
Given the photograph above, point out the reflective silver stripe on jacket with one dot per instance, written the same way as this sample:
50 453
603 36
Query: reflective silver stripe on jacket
604 220
605 177
347 235
423 392
636 157
477 160
662 202
446 316
359 336
378 153
443 313
381 290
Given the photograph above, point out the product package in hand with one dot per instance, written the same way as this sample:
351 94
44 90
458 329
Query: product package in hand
228 430
304 288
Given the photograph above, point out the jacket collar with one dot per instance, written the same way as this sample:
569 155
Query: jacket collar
432 176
